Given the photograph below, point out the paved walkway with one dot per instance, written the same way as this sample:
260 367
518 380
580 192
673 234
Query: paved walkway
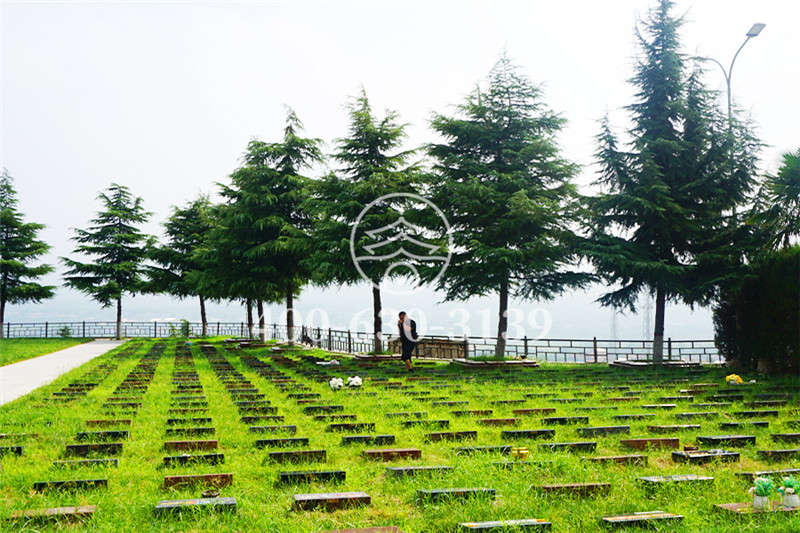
21 378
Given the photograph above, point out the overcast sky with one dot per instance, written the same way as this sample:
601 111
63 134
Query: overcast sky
164 96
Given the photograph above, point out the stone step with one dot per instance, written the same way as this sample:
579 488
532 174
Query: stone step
166 507
330 501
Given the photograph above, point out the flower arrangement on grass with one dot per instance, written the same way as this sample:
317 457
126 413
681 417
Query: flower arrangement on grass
733 379
336 383
761 489
354 381
790 491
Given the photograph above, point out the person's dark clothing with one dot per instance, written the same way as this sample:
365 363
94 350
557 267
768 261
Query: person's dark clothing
408 340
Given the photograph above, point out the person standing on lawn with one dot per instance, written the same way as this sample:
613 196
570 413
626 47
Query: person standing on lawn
408 338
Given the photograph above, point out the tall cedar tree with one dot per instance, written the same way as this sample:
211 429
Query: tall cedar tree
263 234
372 166
119 246
178 263
19 247
506 191
661 227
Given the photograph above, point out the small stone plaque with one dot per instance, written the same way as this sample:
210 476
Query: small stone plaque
181 421
391 454
498 526
277 443
406 471
71 484
209 458
355 426
330 501
308 476
640 519
601 431
10 450
569 446
54 514
380 440
639 460
747 508
313 409
214 480
273 429
727 440
778 455
438 495
681 479
470 450
451 436
190 431
658 444
214 504
542 434
82 450
474 412
108 423
426 423
417 414
705 456
578 489
94 436
756 414
534 412
786 437
190 445
87 462
673 428
298 456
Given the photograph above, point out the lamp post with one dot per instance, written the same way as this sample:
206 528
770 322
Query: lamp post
753 32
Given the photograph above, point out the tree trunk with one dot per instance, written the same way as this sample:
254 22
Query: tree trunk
203 320
658 332
119 318
2 318
502 325
262 330
290 315
249 305
377 327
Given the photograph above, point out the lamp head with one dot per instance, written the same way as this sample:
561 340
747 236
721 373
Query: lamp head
756 29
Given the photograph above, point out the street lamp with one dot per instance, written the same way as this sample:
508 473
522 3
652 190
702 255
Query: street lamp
753 32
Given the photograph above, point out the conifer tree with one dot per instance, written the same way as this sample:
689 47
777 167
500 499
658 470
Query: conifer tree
663 224
506 190
179 262
373 165
120 249
20 248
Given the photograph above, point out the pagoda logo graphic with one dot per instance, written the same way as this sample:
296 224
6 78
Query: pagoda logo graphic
399 248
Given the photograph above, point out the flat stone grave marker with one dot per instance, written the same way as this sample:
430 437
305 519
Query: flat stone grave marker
182 421
578 489
604 430
506 402
274 429
640 519
105 448
569 446
469 450
643 444
214 480
407 471
451 436
70 484
214 504
416 414
330 501
190 445
352 426
108 423
54 514
115 435
438 495
88 462
635 416
335 417
277 443
208 458
476 412
314 409
534 411
598 408
712 404
195 431
769 473
511 465
451 403
737 425
727 440
689 416
756 414
786 437
636 459
565 420
387 529
426 423
379 440
308 476
747 508
10 450
730 397
620 399
680 479
778 455
498 526
297 456
670 399
704 456
391 454
543 434
766 403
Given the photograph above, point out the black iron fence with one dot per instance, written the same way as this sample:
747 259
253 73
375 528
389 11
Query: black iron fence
351 342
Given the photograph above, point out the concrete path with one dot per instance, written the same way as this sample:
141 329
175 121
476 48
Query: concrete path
21 378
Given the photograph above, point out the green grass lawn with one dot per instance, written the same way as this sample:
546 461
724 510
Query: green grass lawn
16 350
135 487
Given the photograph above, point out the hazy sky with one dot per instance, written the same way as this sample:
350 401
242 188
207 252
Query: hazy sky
164 96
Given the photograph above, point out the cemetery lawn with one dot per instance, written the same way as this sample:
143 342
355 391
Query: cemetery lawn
16 350
150 382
